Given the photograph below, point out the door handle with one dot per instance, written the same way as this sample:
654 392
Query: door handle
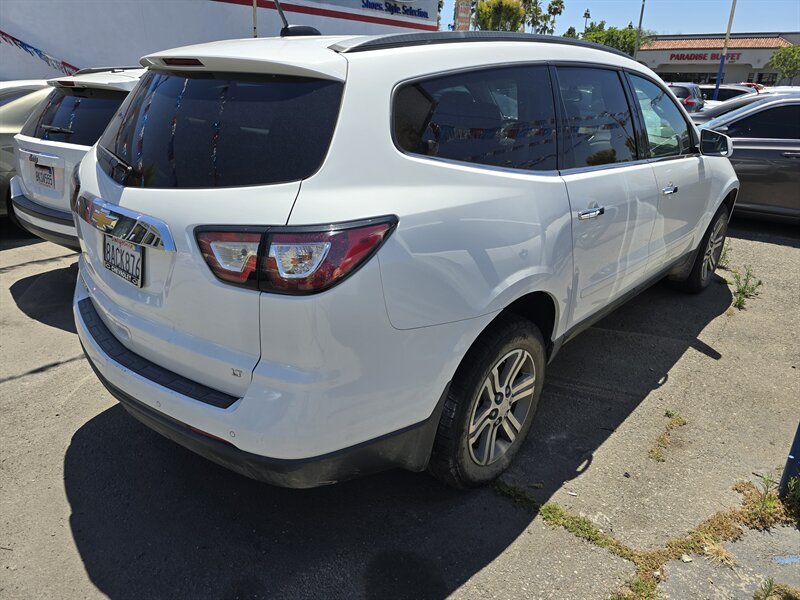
670 189
791 154
591 213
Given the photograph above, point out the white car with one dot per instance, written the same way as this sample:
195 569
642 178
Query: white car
53 141
313 258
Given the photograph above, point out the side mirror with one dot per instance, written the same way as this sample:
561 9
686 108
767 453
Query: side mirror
714 143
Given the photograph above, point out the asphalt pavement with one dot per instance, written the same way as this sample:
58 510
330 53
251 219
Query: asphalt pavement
93 504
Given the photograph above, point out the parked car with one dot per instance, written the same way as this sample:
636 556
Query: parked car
725 92
53 141
17 100
306 285
756 86
766 135
689 95
722 108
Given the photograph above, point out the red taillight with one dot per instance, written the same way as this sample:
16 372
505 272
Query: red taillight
182 62
292 260
688 101
232 255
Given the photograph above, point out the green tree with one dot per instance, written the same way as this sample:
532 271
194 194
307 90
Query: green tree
570 33
786 61
623 39
499 15
541 19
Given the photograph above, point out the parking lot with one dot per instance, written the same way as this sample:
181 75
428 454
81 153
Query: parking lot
93 504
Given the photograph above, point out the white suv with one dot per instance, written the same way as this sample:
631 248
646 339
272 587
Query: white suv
309 259
53 141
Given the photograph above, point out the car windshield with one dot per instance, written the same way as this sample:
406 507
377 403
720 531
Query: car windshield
730 105
203 130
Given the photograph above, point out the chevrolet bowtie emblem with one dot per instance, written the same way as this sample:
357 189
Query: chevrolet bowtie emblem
103 220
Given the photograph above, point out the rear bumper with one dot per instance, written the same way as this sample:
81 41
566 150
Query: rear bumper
48 223
408 448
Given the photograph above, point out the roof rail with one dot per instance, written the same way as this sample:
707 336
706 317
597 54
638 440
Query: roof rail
401 40
105 70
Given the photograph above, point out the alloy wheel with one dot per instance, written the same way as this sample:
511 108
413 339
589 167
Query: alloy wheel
713 249
502 407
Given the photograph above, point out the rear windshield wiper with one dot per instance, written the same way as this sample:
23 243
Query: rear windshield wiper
56 129
117 163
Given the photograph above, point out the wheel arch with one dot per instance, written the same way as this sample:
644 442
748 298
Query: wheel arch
541 309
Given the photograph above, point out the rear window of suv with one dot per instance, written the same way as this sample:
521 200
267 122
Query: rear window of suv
204 130
73 115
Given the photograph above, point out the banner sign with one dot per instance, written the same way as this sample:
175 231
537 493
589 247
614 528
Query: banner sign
53 62
463 14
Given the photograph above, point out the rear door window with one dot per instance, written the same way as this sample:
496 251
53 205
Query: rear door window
667 130
204 130
598 121
496 117
74 115
781 122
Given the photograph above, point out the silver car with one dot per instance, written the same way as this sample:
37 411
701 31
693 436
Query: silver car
17 101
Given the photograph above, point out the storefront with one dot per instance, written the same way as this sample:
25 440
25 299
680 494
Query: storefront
696 57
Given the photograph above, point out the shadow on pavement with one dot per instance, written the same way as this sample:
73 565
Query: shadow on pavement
47 296
758 230
12 236
150 519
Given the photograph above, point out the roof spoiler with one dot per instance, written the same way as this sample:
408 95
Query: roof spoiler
293 30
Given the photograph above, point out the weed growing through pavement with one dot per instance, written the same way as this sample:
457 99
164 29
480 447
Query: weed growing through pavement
662 441
725 257
792 499
760 509
744 286
769 590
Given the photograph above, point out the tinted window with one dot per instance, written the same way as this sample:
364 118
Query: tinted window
499 117
724 94
680 92
667 131
74 116
598 120
782 122
221 130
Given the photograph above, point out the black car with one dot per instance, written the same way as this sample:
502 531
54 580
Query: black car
766 157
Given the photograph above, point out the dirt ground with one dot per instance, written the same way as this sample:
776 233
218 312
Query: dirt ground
93 504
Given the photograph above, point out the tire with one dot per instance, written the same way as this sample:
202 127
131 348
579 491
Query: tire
513 349
709 251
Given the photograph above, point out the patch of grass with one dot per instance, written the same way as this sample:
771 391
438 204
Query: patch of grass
744 286
769 590
763 509
725 257
656 453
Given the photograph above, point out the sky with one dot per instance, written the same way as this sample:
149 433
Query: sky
676 16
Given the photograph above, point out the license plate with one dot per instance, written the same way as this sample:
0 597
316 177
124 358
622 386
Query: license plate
124 259
44 176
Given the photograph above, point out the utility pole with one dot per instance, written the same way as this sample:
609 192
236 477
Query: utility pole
255 18
638 32
724 50
586 16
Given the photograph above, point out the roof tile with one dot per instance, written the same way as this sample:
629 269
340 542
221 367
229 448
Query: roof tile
712 43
